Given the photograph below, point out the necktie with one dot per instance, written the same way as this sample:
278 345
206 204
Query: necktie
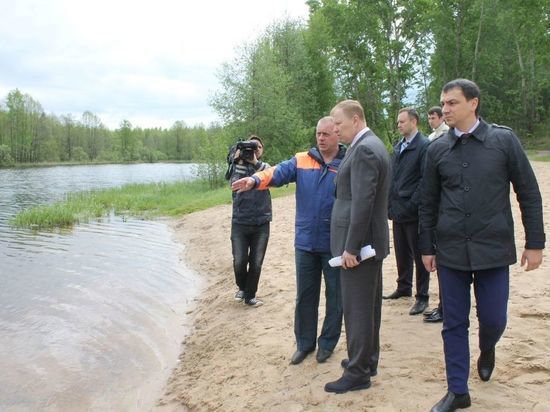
404 145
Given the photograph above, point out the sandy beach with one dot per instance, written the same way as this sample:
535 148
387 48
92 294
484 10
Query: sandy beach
237 358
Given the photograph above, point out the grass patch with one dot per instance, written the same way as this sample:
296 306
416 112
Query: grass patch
143 200
539 155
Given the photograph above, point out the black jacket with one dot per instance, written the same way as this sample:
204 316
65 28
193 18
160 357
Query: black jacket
254 206
465 212
407 168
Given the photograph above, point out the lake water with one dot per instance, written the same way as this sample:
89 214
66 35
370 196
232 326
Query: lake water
91 318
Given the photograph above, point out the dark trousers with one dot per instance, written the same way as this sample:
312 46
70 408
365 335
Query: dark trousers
362 303
439 305
310 266
407 255
491 288
249 244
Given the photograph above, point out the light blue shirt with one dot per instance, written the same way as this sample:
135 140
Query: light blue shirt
407 140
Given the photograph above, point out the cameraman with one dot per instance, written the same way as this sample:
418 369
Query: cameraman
250 222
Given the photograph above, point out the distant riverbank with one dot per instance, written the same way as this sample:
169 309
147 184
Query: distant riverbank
75 163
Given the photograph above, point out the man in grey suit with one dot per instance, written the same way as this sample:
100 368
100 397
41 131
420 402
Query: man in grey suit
360 218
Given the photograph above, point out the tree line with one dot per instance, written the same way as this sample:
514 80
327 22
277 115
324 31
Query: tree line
29 135
385 53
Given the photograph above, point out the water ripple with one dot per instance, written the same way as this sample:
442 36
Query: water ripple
92 314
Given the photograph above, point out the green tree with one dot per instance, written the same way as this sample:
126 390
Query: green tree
271 89
375 50
504 45
127 143
93 136
68 132
5 156
211 156
23 120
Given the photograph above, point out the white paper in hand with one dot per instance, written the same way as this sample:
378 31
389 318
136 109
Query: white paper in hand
365 253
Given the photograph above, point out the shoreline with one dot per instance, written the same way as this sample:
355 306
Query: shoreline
236 357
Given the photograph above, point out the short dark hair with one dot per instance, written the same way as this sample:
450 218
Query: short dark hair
411 111
436 110
469 89
254 137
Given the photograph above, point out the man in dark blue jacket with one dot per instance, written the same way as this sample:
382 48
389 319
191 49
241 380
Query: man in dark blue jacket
314 172
404 197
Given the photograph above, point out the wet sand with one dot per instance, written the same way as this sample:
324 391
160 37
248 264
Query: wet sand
237 357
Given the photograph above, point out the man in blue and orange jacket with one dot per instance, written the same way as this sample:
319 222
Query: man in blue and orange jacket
314 173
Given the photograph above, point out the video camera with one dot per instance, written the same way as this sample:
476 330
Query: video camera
246 149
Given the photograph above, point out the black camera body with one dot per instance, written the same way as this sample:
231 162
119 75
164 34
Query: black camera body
246 149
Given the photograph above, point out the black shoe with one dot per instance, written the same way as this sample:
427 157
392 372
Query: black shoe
345 362
451 402
323 355
398 294
344 385
436 316
299 356
419 306
486 364
430 312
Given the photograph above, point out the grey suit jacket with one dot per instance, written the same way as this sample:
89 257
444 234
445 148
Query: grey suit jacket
360 212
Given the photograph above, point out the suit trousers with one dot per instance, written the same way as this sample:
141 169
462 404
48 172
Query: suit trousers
362 303
407 256
491 290
310 269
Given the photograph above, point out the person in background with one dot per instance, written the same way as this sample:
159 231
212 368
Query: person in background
435 119
314 172
407 166
439 127
467 230
249 226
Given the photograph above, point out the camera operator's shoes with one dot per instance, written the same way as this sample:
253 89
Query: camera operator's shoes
239 295
254 302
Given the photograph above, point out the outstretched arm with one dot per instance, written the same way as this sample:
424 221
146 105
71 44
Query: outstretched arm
243 185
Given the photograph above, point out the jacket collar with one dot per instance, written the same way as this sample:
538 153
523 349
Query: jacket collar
479 133
362 137
359 140
411 146
316 154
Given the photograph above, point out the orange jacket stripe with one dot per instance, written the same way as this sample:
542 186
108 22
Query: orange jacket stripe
304 161
265 177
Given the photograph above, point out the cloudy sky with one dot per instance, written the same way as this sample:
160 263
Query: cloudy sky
150 62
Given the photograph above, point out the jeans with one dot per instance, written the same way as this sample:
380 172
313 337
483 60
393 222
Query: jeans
249 243
491 289
309 268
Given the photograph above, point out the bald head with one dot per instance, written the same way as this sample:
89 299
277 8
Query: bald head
327 139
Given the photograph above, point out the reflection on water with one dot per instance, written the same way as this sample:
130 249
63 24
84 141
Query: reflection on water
90 318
